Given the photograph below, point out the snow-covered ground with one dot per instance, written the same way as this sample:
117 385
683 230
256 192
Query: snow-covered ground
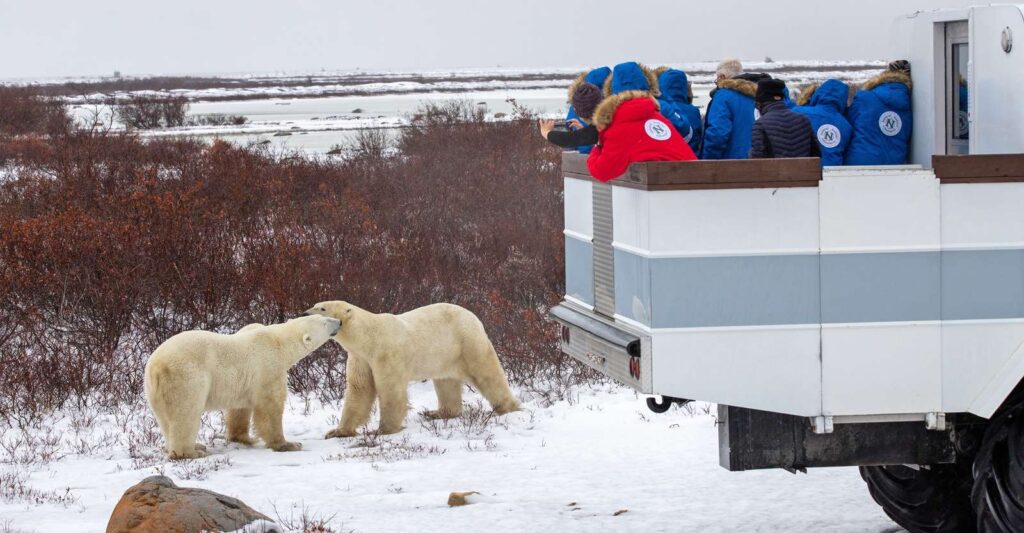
600 462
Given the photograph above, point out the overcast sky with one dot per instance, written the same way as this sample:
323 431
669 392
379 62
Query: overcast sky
44 38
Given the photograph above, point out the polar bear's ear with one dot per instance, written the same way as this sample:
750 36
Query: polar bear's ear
307 341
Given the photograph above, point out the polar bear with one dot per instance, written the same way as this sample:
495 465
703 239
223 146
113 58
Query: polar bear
244 374
441 342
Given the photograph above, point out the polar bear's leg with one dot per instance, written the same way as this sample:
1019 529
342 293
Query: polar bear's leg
449 399
360 393
394 404
182 431
238 426
267 418
486 374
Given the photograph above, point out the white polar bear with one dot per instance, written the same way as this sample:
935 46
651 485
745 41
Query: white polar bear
244 374
441 342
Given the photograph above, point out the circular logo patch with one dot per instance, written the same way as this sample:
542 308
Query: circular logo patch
657 130
890 123
829 136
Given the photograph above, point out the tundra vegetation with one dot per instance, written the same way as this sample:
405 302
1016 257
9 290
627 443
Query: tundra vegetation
110 244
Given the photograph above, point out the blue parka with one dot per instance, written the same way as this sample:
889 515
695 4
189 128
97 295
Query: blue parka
596 77
632 76
826 107
729 120
882 121
677 103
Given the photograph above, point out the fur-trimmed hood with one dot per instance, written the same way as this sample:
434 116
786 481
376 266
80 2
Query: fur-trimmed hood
631 76
597 76
888 77
744 87
833 94
892 88
606 110
806 93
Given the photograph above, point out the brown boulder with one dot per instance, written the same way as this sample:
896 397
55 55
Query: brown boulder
157 504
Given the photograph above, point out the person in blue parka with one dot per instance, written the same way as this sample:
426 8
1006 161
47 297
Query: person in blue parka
881 118
596 77
729 119
632 76
677 102
826 107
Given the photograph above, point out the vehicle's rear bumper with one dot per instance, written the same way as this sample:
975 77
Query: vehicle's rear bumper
619 352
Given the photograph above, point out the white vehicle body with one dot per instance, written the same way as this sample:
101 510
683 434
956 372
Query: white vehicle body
844 295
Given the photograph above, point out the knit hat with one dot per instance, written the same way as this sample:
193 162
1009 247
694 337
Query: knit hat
585 100
770 90
900 65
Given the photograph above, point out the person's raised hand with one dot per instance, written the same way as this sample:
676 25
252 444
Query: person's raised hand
575 124
545 127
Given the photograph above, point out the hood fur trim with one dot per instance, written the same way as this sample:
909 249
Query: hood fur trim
745 87
576 85
606 110
888 77
652 81
661 70
806 94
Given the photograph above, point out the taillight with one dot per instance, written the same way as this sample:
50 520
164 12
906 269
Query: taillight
634 367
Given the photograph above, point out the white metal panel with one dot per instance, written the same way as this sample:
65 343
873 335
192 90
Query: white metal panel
734 222
880 369
974 356
1003 382
775 369
866 209
890 367
631 208
579 208
977 355
982 215
997 78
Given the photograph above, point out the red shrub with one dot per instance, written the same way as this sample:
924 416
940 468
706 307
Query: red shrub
109 245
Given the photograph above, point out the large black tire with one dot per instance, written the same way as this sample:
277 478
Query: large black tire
932 500
998 494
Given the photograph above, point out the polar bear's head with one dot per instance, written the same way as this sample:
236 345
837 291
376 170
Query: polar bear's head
315 330
344 312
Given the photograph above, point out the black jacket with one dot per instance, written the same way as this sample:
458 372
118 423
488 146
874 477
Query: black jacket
572 139
782 133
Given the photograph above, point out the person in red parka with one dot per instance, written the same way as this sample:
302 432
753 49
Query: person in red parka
631 129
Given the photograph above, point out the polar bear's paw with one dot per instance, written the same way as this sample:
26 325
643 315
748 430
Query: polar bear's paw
201 447
242 439
440 414
287 447
339 433
189 454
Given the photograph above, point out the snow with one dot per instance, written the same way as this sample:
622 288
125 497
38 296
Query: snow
598 461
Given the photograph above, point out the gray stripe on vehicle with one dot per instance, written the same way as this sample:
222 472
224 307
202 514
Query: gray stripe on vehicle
985 284
633 287
828 288
579 270
880 287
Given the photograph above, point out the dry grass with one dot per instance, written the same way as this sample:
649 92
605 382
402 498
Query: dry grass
14 488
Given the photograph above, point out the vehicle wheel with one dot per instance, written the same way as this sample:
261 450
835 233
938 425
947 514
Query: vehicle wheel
998 494
930 500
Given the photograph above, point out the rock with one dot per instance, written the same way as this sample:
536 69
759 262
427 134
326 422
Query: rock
282 134
157 504
458 499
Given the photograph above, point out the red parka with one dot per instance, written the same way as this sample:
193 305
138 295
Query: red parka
632 130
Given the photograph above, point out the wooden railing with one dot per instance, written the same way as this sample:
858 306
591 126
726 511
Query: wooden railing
979 168
693 175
